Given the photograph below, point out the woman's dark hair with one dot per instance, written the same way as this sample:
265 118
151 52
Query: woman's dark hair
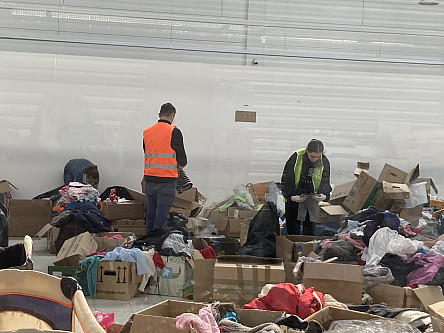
315 146
91 174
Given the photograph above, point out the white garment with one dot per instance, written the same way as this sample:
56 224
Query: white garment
386 240
151 269
310 206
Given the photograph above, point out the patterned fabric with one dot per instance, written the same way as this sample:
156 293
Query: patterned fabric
183 182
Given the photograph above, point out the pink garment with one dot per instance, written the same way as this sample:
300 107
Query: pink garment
356 241
430 264
113 237
204 323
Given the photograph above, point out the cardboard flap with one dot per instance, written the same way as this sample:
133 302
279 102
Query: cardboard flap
429 295
340 192
395 190
43 231
412 175
343 272
5 186
334 209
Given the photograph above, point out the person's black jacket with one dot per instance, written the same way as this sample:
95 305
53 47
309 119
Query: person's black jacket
288 186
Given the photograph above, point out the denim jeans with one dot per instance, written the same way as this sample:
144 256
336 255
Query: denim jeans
160 197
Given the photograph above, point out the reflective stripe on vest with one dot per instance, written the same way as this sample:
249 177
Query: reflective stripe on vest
160 158
317 172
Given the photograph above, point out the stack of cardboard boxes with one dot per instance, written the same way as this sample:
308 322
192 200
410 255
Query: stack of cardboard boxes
391 191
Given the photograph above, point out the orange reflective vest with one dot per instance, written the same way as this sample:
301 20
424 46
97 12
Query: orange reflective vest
160 158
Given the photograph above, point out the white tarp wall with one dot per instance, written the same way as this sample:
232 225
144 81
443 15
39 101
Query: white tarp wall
367 78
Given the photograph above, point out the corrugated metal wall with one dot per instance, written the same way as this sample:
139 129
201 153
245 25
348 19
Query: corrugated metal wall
366 77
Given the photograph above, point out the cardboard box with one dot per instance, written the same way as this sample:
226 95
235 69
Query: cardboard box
176 277
237 213
226 225
239 279
5 190
331 213
329 314
287 247
203 280
360 191
361 167
117 280
395 190
412 215
128 223
342 281
109 244
133 210
436 312
190 199
392 174
138 231
161 318
74 249
258 192
224 245
399 297
27 217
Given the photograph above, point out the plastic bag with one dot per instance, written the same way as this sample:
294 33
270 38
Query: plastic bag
418 195
385 325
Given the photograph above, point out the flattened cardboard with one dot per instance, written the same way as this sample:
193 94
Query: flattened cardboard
74 249
342 281
329 314
360 191
132 209
239 279
27 217
117 280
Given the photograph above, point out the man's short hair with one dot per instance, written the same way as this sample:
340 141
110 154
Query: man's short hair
167 109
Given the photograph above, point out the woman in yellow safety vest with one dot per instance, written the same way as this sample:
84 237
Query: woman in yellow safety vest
305 182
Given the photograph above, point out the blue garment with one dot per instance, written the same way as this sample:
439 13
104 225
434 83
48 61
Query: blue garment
91 273
73 170
130 255
160 197
230 316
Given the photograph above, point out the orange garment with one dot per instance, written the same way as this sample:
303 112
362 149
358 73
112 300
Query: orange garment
160 158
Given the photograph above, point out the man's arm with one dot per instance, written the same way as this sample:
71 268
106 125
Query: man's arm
287 180
178 146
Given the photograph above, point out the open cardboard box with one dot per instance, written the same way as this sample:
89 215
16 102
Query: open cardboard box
287 246
399 297
161 318
342 281
329 314
27 217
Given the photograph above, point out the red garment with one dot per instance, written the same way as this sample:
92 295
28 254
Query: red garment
208 252
158 262
291 298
